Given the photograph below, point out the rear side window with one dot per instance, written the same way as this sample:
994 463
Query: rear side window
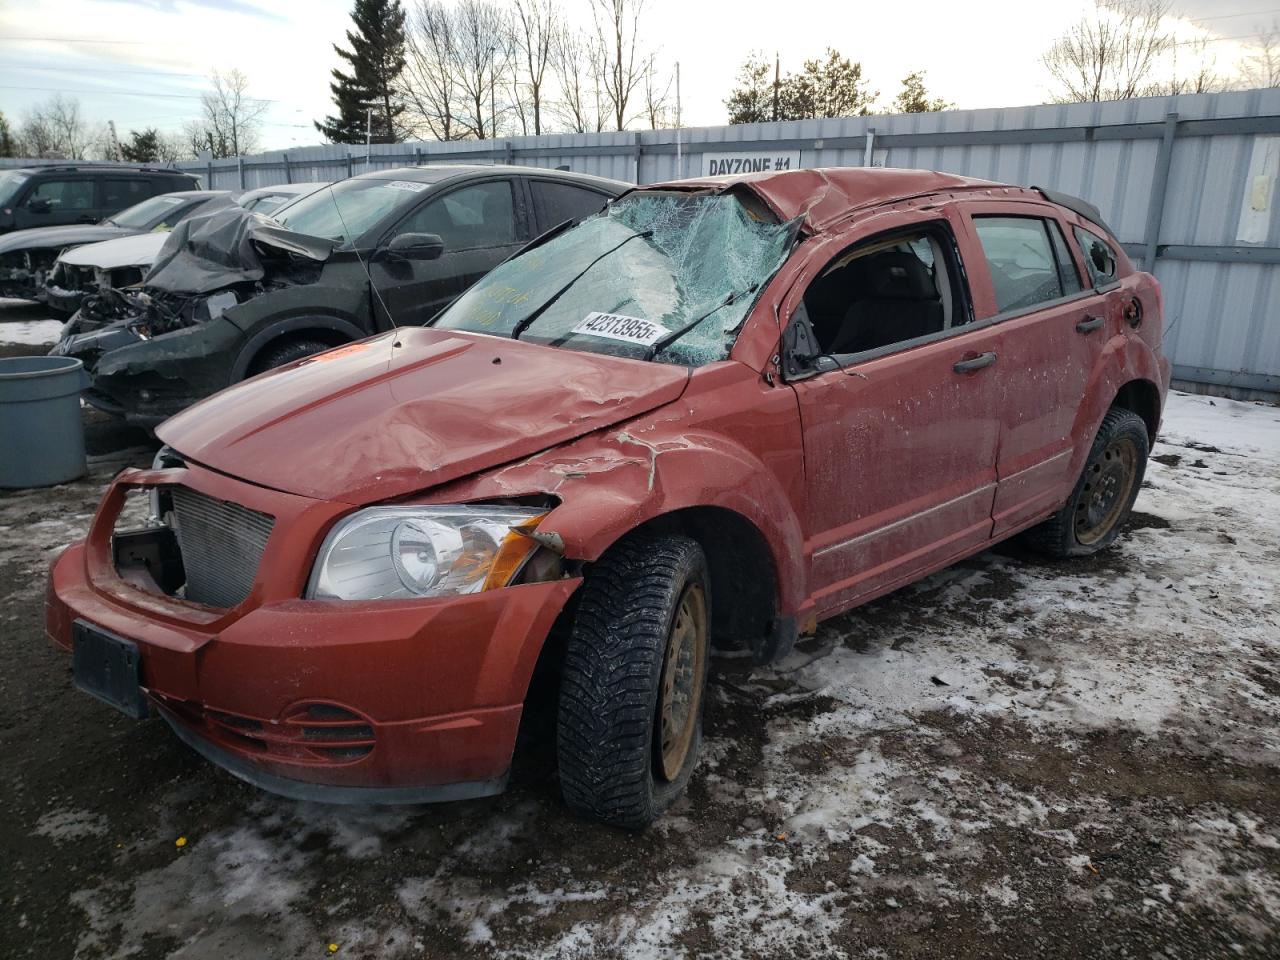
482 215
1099 257
554 202
119 192
65 194
1025 269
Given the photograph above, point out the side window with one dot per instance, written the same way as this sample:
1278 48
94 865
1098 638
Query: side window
1024 269
554 203
65 194
1067 271
118 193
481 215
1099 258
886 291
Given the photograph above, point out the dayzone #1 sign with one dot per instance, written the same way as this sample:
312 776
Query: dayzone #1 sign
749 161
616 326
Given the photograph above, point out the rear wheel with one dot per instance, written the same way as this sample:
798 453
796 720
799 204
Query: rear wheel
631 696
1104 494
280 354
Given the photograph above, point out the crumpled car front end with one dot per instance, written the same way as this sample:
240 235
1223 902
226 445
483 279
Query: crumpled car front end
23 272
155 350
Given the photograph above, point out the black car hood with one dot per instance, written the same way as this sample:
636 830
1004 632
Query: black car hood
208 253
68 236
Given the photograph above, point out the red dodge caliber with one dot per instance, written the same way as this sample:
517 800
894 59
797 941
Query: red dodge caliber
717 412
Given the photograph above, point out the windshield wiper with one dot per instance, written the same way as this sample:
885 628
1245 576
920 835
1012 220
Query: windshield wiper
543 237
527 321
659 345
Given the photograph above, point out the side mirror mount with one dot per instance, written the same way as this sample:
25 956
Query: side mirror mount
415 246
39 205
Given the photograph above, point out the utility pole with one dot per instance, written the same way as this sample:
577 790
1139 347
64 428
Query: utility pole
493 96
777 83
368 135
115 141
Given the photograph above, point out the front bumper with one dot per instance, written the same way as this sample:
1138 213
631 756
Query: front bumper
148 381
435 687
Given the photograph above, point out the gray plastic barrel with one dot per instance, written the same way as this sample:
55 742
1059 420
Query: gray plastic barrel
41 433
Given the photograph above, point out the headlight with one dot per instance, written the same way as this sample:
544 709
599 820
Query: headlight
396 553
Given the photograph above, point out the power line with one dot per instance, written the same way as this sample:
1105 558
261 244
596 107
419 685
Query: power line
128 93
1234 16
78 69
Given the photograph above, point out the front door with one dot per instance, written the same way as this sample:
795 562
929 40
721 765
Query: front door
480 224
58 202
1052 331
901 423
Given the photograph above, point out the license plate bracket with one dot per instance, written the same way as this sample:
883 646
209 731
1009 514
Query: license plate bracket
108 667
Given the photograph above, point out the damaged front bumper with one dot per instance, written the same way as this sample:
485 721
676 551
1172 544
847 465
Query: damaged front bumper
146 380
376 701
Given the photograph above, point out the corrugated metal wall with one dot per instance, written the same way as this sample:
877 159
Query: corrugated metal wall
1222 292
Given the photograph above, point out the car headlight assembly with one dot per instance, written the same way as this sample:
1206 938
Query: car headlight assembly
401 553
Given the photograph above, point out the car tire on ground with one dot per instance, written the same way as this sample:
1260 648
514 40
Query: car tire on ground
635 669
280 354
1103 496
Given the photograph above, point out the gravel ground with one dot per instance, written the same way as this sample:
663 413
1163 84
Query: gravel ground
1011 758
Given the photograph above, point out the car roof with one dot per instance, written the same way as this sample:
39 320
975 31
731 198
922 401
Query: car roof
308 187
99 168
196 194
442 172
826 195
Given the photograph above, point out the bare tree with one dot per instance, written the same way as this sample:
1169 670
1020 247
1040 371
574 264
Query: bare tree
1112 53
56 128
657 98
230 119
1193 69
536 24
429 87
617 24
1262 69
482 34
577 62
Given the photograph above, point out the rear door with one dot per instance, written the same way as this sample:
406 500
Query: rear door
899 435
555 201
1053 327
71 199
117 193
481 224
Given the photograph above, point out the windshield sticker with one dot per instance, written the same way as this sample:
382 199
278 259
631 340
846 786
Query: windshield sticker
616 326
409 185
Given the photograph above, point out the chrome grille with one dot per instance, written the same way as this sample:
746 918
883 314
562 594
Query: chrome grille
221 544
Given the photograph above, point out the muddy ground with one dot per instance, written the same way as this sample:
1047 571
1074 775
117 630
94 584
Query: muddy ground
1012 758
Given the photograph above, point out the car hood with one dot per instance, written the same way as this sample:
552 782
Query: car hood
127 251
393 415
40 237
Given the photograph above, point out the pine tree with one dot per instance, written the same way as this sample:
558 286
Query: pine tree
142 146
8 147
914 99
376 58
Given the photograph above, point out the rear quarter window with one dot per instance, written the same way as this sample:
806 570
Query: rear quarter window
1099 257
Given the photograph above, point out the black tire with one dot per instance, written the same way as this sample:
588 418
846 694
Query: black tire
1070 532
279 354
609 733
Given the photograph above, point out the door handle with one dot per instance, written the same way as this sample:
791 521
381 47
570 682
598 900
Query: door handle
1089 324
974 363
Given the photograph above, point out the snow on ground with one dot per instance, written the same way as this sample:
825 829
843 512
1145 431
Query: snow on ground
30 332
1013 757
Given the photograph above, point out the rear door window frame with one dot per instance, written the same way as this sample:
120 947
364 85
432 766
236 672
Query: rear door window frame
517 212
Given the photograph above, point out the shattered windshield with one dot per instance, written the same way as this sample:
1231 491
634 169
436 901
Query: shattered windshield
141 216
10 184
347 210
623 281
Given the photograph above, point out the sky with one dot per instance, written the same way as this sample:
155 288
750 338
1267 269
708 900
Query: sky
144 62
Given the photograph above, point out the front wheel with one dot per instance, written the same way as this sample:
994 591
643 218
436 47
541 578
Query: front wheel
631 693
1104 494
287 352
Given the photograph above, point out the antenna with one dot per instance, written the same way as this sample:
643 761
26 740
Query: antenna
363 266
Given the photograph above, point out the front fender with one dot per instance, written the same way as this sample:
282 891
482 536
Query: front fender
612 482
1125 357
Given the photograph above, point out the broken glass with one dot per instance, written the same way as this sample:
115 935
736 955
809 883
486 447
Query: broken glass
693 252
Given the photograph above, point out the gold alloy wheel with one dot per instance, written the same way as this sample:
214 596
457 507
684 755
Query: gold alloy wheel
682 673
1107 486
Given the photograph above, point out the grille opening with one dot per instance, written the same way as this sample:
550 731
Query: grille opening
182 543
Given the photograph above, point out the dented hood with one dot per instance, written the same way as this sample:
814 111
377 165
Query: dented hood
393 415
136 251
204 254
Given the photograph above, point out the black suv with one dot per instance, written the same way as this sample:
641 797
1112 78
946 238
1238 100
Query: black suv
80 193
233 294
